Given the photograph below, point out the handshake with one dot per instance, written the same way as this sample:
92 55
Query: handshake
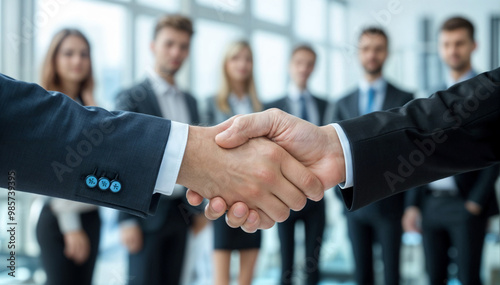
260 166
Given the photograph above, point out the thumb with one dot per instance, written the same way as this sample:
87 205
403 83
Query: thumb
242 128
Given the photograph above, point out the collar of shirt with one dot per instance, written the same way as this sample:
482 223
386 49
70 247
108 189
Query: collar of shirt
450 82
380 86
239 105
294 93
161 86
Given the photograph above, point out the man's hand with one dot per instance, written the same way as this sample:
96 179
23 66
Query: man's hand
259 173
131 236
473 208
317 148
411 220
77 246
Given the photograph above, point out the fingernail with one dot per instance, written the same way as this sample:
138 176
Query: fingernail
218 206
240 211
252 218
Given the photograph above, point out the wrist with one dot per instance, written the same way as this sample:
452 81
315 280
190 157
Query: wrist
334 152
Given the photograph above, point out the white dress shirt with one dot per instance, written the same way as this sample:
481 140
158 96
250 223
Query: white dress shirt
173 106
240 106
380 86
294 95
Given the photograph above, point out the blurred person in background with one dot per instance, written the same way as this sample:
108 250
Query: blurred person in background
68 232
237 95
157 244
301 103
379 222
453 212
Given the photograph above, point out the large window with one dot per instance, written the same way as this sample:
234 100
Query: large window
103 24
208 48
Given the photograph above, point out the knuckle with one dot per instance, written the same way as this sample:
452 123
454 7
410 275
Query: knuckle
310 182
300 203
282 215
265 176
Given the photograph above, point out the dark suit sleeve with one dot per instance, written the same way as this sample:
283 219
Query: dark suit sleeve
451 132
52 143
482 190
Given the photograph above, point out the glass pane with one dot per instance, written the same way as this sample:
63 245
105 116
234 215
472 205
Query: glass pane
271 53
167 5
338 76
275 11
310 19
318 83
144 27
222 6
337 23
209 45
103 24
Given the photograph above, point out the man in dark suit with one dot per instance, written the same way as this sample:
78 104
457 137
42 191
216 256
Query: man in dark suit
381 221
454 211
301 103
157 244
384 153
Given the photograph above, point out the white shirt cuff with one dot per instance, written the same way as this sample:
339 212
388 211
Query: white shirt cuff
346 148
172 158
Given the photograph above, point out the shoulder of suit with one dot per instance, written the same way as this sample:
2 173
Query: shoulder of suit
348 96
144 86
278 103
399 90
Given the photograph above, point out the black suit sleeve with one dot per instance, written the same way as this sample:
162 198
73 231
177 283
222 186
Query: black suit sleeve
451 132
52 144
484 187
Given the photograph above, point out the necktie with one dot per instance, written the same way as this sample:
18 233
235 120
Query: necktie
371 98
303 108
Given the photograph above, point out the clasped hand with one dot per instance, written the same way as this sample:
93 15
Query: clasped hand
260 165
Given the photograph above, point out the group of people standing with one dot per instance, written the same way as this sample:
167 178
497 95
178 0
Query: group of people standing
450 212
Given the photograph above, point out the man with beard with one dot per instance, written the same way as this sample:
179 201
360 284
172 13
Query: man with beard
156 245
454 211
381 221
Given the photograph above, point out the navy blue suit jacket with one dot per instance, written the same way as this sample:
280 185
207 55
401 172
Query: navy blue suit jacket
141 99
52 143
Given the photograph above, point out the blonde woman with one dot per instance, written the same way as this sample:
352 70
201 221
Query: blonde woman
68 232
237 95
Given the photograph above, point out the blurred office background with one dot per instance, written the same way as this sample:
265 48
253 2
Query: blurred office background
120 32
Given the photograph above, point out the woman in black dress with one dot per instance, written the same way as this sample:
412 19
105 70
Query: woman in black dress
68 232
237 95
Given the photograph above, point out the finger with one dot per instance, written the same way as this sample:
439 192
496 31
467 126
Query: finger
303 179
244 128
237 215
252 223
266 222
215 208
274 207
193 198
